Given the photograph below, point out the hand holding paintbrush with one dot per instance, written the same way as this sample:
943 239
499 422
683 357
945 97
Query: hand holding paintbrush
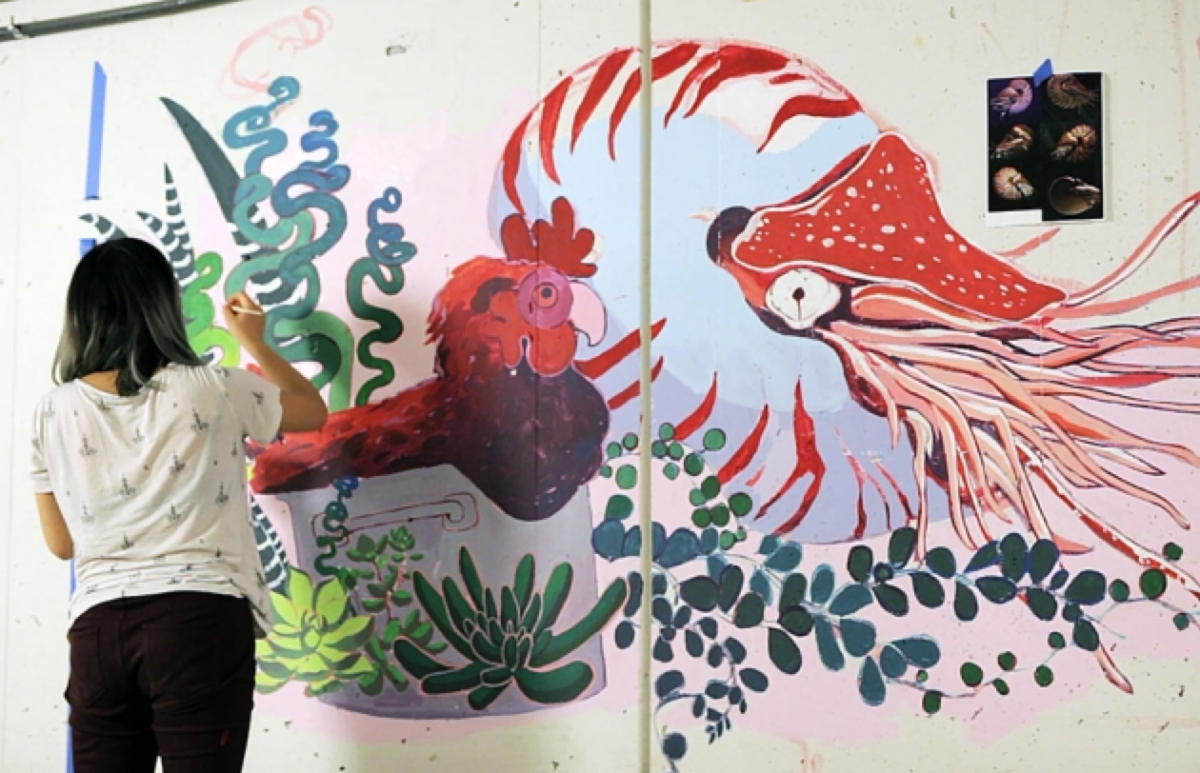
245 319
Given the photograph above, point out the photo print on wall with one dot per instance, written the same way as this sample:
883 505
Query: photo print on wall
1045 149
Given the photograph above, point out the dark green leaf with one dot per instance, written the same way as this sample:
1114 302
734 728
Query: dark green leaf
988 555
891 662
942 563
859 561
668 683
709 540
716 690
1153 583
1085 635
768 545
707 626
749 611
735 649
1088 587
849 600
1042 603
1118 590
797 620
932 702
971 673
858 636
870 683
632 544
1043 675
753 679
1072 612
901 545
793 591
893 600
730 587
827 645
1042 558
822 583
624 634
1059 579
693 643
783 651
634 601
682 546
700 592
608 540
663 652
998 590
928 590
1013 555
786 558
674 746
919 651
760 583
966 606
660 610
619 508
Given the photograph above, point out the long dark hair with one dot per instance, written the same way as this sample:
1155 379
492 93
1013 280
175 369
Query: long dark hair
123 314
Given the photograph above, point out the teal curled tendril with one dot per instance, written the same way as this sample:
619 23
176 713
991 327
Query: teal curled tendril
252 127
388 252
296 329
322 140
333 522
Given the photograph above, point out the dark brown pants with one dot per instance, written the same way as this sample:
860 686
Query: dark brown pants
169 675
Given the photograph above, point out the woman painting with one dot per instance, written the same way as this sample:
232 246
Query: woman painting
139 470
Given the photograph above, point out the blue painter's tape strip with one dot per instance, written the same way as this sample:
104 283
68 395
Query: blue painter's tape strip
96 132
91 192
1042 73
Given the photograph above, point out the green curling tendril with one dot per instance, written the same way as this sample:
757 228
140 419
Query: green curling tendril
336 533
199 311
324 337
389 327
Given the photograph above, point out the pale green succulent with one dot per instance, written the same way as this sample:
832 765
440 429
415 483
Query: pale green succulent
316 639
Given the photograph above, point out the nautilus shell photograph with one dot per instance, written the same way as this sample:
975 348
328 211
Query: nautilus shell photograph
1045 149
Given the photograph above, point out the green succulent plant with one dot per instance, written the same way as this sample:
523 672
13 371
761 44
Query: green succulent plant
317 639
506 637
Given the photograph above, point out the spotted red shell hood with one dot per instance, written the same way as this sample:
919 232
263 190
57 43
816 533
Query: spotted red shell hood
881 223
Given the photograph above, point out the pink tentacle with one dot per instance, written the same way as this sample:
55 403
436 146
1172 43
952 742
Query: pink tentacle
1148 246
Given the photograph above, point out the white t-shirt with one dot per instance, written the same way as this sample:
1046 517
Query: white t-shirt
153 486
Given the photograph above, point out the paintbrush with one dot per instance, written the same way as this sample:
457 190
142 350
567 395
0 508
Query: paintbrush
243 310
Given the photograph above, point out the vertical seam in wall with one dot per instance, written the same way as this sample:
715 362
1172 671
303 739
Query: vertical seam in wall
645 514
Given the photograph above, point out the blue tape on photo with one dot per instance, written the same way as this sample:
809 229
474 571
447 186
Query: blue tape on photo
1042 73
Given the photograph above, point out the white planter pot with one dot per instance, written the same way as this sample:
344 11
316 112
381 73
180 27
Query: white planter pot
445 512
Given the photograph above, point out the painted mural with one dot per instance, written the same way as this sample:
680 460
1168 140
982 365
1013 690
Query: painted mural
893 470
